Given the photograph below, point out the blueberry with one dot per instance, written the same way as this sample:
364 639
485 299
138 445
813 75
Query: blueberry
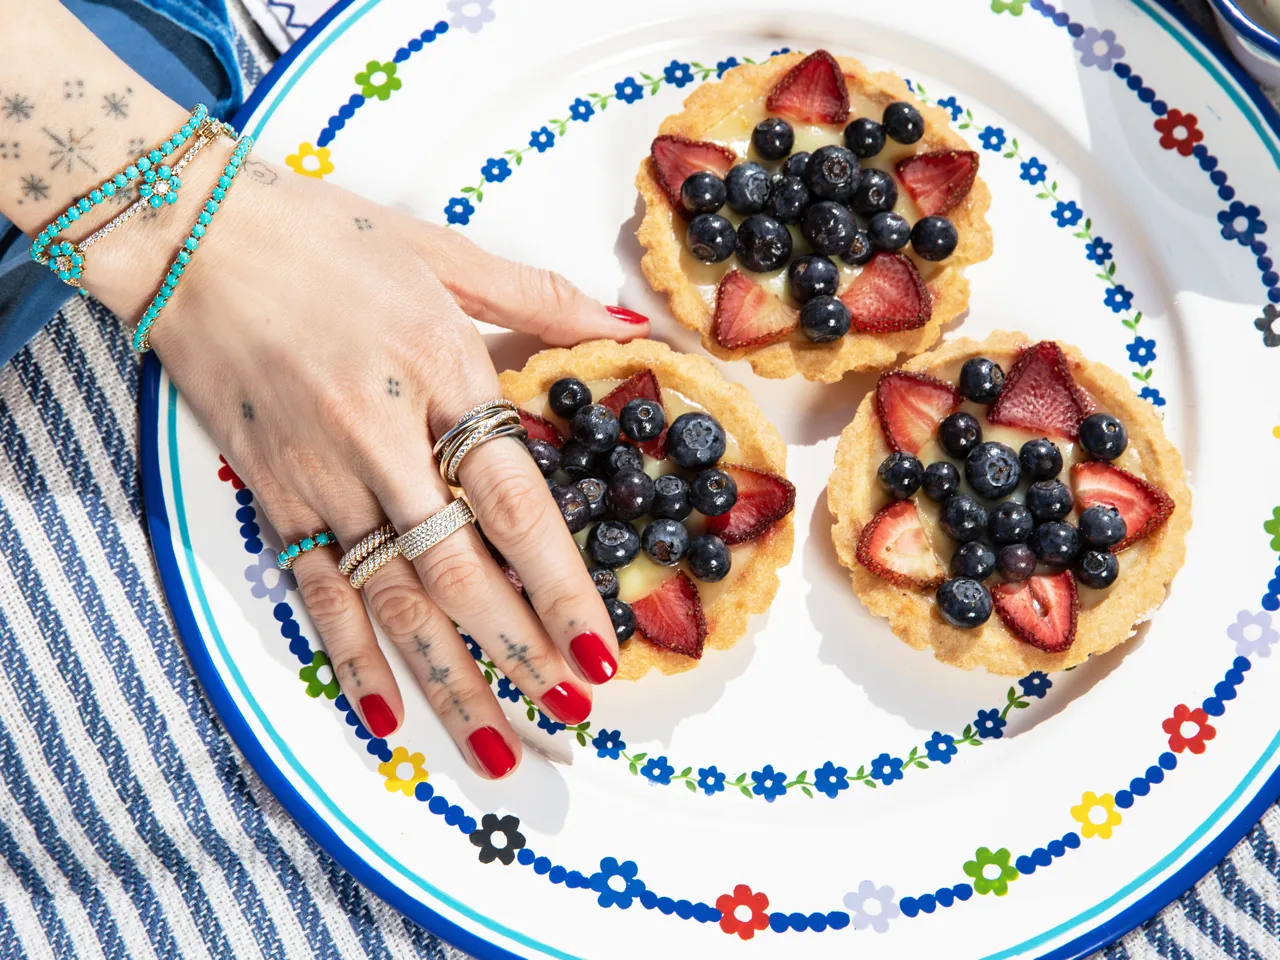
876 193
1103 436
702 192
567 396
941 480
629 495
1055 543
993 470
606 582
593 488
962 518
620 459
789 199
889 231
711 238
573 507
747 186
832 173
974 559
1016 562
981 380
829 227
964 602
613 544
773 138
1097 569
1049 500
576 460
1102 526
596 428
824 319
795 165
713 492
642 419
959 434
764 244
900 475
665 541
670 497
903 122
934 238
864 137
810 277
1010 522
1041 460
624 619
709 558
695 441
860 249
545 456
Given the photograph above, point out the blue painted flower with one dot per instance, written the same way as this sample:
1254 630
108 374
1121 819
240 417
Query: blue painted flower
628 91
267 579
1142 352
508 690
710 780
941 747
581 110
1152 394
658 770
1098 250
496 169
1035 684
886 769
608 743
992 138
542 139
949 103
1118 298
990 725
1098 48
473 648
547 724
459 210
769 783
677 73
1033 170
610 895
1067 214
830 779
724 65
1241 223
779 51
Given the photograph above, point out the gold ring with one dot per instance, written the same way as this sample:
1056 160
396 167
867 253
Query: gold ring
465 421
378 558
356 555
435 528
505 424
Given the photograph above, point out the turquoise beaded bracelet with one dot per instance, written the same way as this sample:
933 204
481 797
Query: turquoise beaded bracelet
285 558
142 335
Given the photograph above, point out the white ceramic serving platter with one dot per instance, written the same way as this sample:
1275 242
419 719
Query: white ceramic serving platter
1151 258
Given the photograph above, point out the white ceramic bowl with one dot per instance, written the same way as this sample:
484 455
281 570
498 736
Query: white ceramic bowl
1252 37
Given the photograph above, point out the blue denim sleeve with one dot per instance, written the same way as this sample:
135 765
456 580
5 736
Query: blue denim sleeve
185 48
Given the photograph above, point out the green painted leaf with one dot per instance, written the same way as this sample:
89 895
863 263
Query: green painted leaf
1111 270
654 87
807 792
862 772
1088 223
686 771
479 195
532 713
741 777
1015 144
746 793
1022 704
696 65
646 76
639 756
1103 277
582 739
968 731
1137 317
468 189
964 126
1132 326
869 783
1042 196
1082 235
1053 187
922 765
519 159
488 677
634 769
689 784
802 776
1011 154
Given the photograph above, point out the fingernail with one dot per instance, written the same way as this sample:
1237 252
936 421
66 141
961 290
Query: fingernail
568 703
627 316
377 715
492 752
593 657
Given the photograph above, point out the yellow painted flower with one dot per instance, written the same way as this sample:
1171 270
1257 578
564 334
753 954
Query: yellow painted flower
310 161
1096 815
403 771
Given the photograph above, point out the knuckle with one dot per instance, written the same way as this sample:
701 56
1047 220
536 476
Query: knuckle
401 608
561 600
350 664
330 601
461 696
454 571
562 293
513 507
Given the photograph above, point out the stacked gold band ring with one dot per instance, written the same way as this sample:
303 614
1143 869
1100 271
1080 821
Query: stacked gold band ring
362 550
435 528
378 558
482 423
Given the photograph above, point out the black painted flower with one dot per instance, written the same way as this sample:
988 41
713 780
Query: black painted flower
505 831
1267 324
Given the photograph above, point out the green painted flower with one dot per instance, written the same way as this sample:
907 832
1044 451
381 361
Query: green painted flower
311 675
1013 7
991 872
379 79
1272 527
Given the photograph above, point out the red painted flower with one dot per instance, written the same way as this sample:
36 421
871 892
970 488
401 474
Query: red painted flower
225 473
1179 131
729 906
1179 741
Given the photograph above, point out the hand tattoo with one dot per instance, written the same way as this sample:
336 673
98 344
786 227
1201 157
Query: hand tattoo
16 108
69 149
439 676
33 188
363 224
259 171
10 148
117 104
519 653
246 410
393 387
72 89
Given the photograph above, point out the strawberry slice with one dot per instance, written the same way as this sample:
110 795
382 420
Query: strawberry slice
1040 394
763 500
643 384
1040 611
938 181
813 91
1144 506
910 407
671 617
888 296
895 547
748 315
541 429
675 157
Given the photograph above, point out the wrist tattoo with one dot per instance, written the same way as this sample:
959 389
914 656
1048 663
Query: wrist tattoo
259 171
136 146
10 149
72 89
393 387
70 149
363 224
246 410
438 675
33 188
519 653
16 107
116 105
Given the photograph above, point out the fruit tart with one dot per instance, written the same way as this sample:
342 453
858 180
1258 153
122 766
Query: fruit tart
1010 504
811 217
671 481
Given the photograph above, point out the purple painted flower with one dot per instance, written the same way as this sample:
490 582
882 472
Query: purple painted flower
872 906
470 15
1253 634
1098 48
268 579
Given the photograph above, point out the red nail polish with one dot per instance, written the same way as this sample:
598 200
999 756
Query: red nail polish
627 316
593 657
569 704
377 715
492 752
